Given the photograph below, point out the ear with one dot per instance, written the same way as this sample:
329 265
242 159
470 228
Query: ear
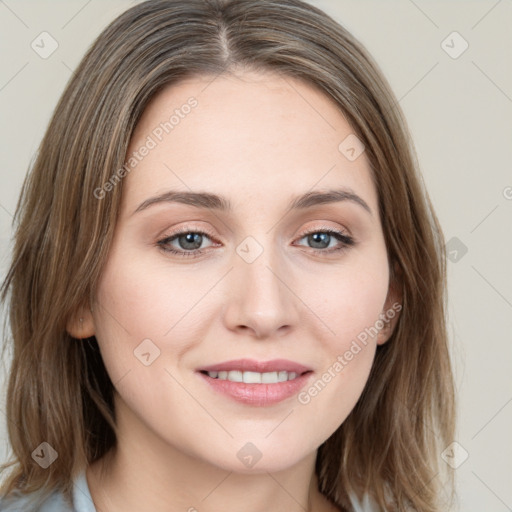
81 324
392 307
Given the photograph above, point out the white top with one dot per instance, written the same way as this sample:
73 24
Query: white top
82 501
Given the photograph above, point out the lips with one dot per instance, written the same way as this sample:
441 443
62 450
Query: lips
256 383
250 365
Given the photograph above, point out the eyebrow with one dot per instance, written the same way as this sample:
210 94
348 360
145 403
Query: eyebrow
207 200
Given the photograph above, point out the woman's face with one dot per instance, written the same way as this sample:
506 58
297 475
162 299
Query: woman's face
286 299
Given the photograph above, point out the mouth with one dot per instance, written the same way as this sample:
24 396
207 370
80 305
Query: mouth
253 377
257 383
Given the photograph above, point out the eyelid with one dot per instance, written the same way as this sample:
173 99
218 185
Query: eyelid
346 240
182 231
324 227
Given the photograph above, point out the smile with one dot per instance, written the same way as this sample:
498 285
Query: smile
256 383
254 377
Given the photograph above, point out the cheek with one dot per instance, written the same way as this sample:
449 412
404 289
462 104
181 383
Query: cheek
130 316
349 302
139 301
349 306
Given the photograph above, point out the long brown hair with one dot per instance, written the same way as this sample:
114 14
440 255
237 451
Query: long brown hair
59 391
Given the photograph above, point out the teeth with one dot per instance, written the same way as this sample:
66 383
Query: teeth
235 376
253 377
269 378
282 376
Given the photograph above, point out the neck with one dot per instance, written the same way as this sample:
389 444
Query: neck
145 473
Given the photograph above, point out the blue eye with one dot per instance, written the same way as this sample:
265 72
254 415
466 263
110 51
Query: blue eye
190 242
320 240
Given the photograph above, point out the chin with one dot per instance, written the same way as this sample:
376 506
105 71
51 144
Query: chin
262 455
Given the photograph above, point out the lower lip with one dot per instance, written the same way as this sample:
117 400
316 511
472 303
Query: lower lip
258 394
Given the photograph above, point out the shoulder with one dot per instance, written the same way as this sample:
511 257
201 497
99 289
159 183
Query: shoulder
34 502
55 502
366 505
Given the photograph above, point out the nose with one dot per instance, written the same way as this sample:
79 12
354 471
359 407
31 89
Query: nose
261 300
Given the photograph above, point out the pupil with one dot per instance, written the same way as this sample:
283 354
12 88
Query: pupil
320 238
190 241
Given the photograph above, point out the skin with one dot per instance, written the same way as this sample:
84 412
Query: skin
259 140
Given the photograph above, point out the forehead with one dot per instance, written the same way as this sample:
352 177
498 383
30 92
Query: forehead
257 135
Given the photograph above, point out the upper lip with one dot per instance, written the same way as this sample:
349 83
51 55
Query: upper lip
251 365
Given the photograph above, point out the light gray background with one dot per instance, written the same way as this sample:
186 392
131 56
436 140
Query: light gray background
459 111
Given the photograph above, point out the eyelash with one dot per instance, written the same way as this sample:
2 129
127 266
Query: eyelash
346 242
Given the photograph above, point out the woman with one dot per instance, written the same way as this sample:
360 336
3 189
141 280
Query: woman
228 282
